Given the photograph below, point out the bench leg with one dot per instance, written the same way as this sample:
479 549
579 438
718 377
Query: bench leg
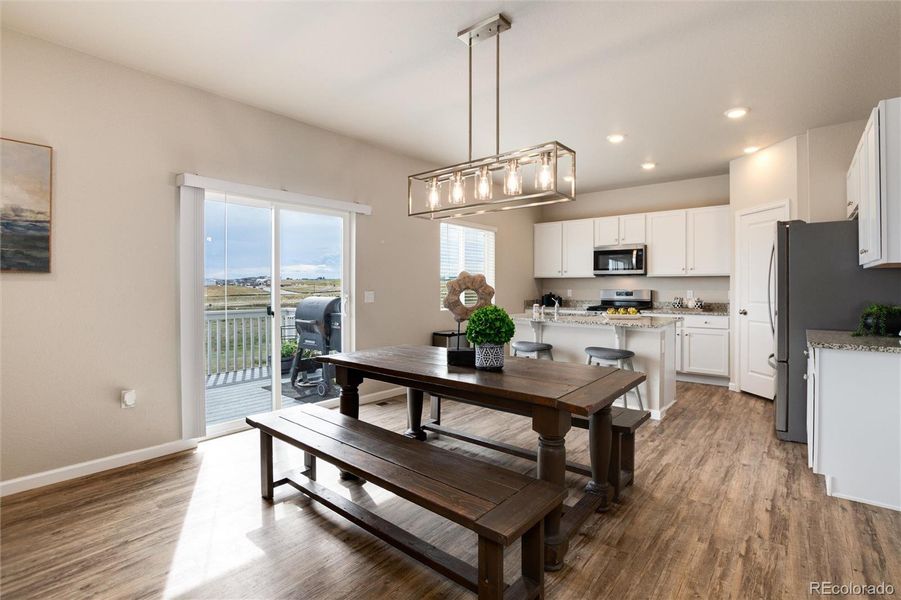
266 477
600 432
491 570
309 463
414 414
435 409
533 556
615 471
628 456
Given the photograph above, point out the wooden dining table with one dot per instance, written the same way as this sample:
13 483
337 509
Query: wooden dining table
550 393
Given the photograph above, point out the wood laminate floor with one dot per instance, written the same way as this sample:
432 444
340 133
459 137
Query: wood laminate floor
720 509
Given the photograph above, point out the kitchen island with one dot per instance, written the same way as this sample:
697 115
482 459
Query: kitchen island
652 339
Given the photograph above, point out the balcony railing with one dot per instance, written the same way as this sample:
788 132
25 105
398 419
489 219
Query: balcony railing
237 340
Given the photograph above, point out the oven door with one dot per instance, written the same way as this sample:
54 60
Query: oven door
620 260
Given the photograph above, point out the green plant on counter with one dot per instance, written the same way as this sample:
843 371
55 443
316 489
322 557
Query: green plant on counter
490 325
879 319
289 348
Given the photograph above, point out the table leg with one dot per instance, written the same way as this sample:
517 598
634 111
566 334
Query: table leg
552 425
266 484
600 436
349 381
414 414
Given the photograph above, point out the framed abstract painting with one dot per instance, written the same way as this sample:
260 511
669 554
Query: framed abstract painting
26 175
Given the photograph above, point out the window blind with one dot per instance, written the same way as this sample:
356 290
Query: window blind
465 249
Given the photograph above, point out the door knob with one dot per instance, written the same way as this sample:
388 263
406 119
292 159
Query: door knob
742 312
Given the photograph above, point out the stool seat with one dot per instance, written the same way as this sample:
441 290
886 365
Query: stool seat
523 346
602 353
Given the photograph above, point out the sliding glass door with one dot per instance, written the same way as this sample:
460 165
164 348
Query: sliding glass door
262 332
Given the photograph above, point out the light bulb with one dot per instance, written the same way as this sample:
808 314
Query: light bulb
434 193
513 179
544 176
456 190
483 184
737 112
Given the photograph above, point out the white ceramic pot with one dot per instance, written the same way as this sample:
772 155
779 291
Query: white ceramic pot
490 357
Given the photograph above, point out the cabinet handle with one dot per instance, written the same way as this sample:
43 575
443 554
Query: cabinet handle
864 251
742 312
849 203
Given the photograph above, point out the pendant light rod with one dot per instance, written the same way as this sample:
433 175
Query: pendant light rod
497 97
469 44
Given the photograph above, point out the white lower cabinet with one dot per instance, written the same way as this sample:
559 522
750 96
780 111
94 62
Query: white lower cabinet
854 424
705 351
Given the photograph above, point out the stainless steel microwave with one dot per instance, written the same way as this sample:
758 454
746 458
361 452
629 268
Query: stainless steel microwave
628 259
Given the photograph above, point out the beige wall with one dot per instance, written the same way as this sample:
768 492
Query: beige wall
829 153
767 176
686 193
106 317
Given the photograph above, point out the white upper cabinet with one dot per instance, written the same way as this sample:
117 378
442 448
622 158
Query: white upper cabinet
709 250
615 231
632 229
548 247
606 231
666 242
874 187
578 248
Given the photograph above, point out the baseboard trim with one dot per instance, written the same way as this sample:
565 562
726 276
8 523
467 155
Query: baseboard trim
733 387
44 478
90 467
706 379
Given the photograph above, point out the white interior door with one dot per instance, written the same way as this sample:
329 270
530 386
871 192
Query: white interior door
756 236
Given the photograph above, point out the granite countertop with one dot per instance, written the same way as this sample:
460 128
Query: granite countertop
688 311
843 340
595 320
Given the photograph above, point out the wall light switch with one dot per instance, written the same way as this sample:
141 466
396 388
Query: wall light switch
368 296
128 398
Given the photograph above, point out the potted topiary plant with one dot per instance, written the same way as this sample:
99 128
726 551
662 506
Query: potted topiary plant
289 349
488 330
881 320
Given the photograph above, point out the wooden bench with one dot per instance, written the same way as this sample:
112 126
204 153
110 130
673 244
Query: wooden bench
625 421
500 506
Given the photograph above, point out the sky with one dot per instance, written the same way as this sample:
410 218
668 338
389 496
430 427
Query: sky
239 236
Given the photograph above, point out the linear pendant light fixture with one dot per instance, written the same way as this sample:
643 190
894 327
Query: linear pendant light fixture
542 174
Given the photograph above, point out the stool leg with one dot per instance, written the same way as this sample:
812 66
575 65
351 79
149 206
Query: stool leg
588 362
637 387
550 354
513 352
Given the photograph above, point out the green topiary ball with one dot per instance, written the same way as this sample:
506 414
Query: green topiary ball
490 325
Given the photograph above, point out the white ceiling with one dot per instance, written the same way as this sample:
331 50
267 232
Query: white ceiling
395 74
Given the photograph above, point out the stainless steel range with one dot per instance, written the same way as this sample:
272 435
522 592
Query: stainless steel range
640 299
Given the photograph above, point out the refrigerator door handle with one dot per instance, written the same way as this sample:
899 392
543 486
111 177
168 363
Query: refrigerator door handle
769 289
771 360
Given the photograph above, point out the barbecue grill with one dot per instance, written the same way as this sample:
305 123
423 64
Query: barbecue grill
318 324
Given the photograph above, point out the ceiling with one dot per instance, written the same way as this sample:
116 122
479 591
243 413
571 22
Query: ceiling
395 74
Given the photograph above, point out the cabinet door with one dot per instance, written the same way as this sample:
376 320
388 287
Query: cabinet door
709 247
705 351
852 187
666 243
631 229
606 231
548 247
679 347
870 204
578 248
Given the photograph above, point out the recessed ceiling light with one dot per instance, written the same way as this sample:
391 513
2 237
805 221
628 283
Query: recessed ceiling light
737 112
751 149
648 166
615 138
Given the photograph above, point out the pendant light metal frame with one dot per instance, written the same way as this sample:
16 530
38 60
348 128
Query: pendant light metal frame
560 156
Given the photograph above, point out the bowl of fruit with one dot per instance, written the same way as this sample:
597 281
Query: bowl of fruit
622 313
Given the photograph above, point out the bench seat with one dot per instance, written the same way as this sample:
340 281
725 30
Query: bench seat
499 505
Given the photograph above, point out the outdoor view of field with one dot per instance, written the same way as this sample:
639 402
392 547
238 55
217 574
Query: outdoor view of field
238 296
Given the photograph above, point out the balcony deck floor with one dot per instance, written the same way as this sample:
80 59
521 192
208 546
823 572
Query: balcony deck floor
234 395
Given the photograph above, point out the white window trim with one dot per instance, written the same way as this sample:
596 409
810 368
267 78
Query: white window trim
192 194
473 225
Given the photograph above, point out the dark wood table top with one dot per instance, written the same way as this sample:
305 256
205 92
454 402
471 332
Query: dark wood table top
575 388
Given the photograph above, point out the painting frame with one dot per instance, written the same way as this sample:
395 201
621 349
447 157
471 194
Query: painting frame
44 266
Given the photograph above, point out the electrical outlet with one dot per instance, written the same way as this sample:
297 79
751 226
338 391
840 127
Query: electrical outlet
569 293
368 297
128 398
689 293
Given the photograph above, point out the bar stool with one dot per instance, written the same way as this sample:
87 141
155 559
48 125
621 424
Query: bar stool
535 348
622 358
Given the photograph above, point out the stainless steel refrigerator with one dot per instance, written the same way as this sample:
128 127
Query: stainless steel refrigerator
819 285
